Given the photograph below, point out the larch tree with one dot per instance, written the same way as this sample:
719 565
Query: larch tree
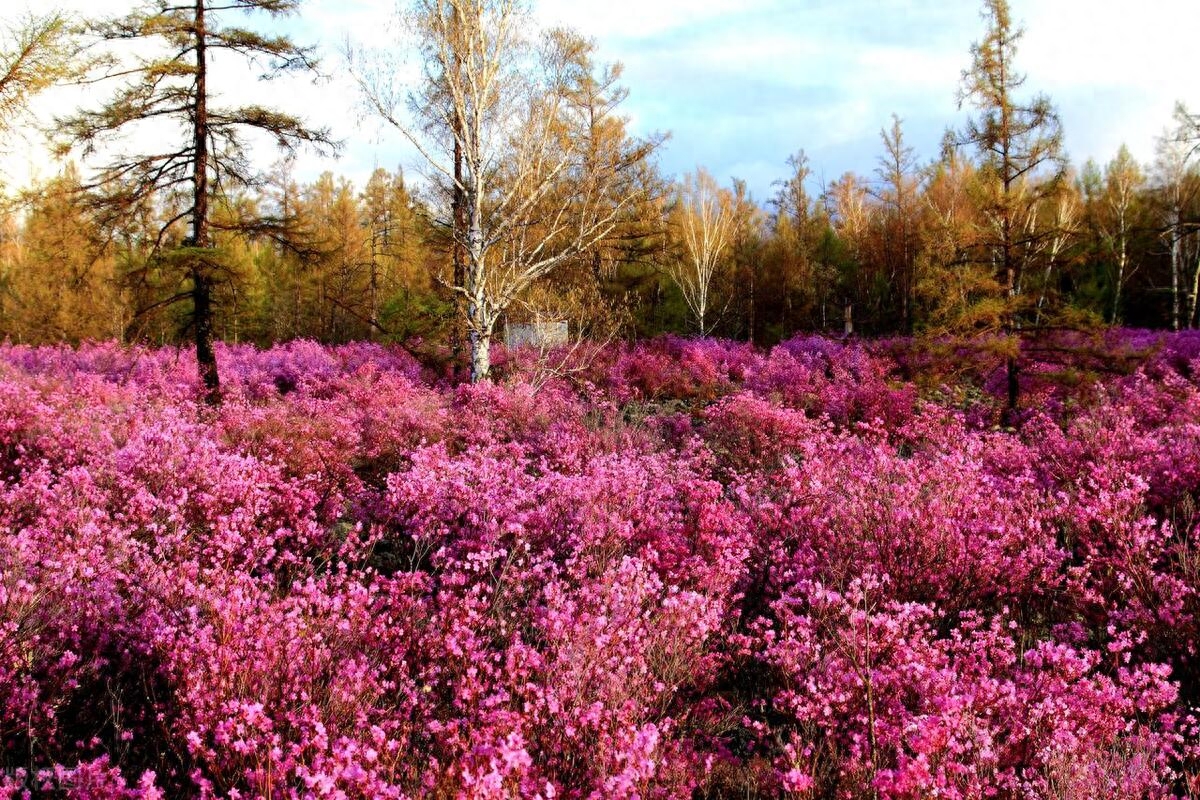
899 192
62 285
395 255
1019 144
706 228
955 293
281 263
749 226
796 233
851 216
205 146
594 95
498 122
37 53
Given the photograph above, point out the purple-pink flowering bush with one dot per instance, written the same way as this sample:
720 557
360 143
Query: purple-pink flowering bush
672 368
689 569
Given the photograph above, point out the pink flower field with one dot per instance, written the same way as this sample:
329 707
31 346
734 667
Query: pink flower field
695 570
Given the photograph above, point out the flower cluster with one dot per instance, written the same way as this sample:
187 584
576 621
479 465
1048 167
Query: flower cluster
695 570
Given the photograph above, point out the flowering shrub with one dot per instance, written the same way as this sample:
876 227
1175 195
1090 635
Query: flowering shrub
671 368
697 570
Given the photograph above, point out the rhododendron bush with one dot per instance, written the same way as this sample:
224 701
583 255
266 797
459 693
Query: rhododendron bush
694 570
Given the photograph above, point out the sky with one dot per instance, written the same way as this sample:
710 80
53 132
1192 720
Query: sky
741 85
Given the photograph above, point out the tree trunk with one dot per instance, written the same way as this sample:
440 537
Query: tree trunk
479 319
202 320
1122 259
202 313
373 323
598 269
481 356
753 303
1012 370
458 202
1195 298
479 336
460 229
909 279
1175 303
1176 257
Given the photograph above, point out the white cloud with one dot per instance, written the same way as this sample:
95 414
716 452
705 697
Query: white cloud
1114 73
839 69
641 19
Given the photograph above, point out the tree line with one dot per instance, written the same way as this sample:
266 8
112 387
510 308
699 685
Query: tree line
538 202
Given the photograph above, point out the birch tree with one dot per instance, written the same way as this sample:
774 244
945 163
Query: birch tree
706 226
498 122
1171 168
1123 181
1063 225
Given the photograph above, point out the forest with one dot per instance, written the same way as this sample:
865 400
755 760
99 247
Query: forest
997 232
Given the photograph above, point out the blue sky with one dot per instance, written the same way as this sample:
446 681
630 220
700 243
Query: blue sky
742 84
